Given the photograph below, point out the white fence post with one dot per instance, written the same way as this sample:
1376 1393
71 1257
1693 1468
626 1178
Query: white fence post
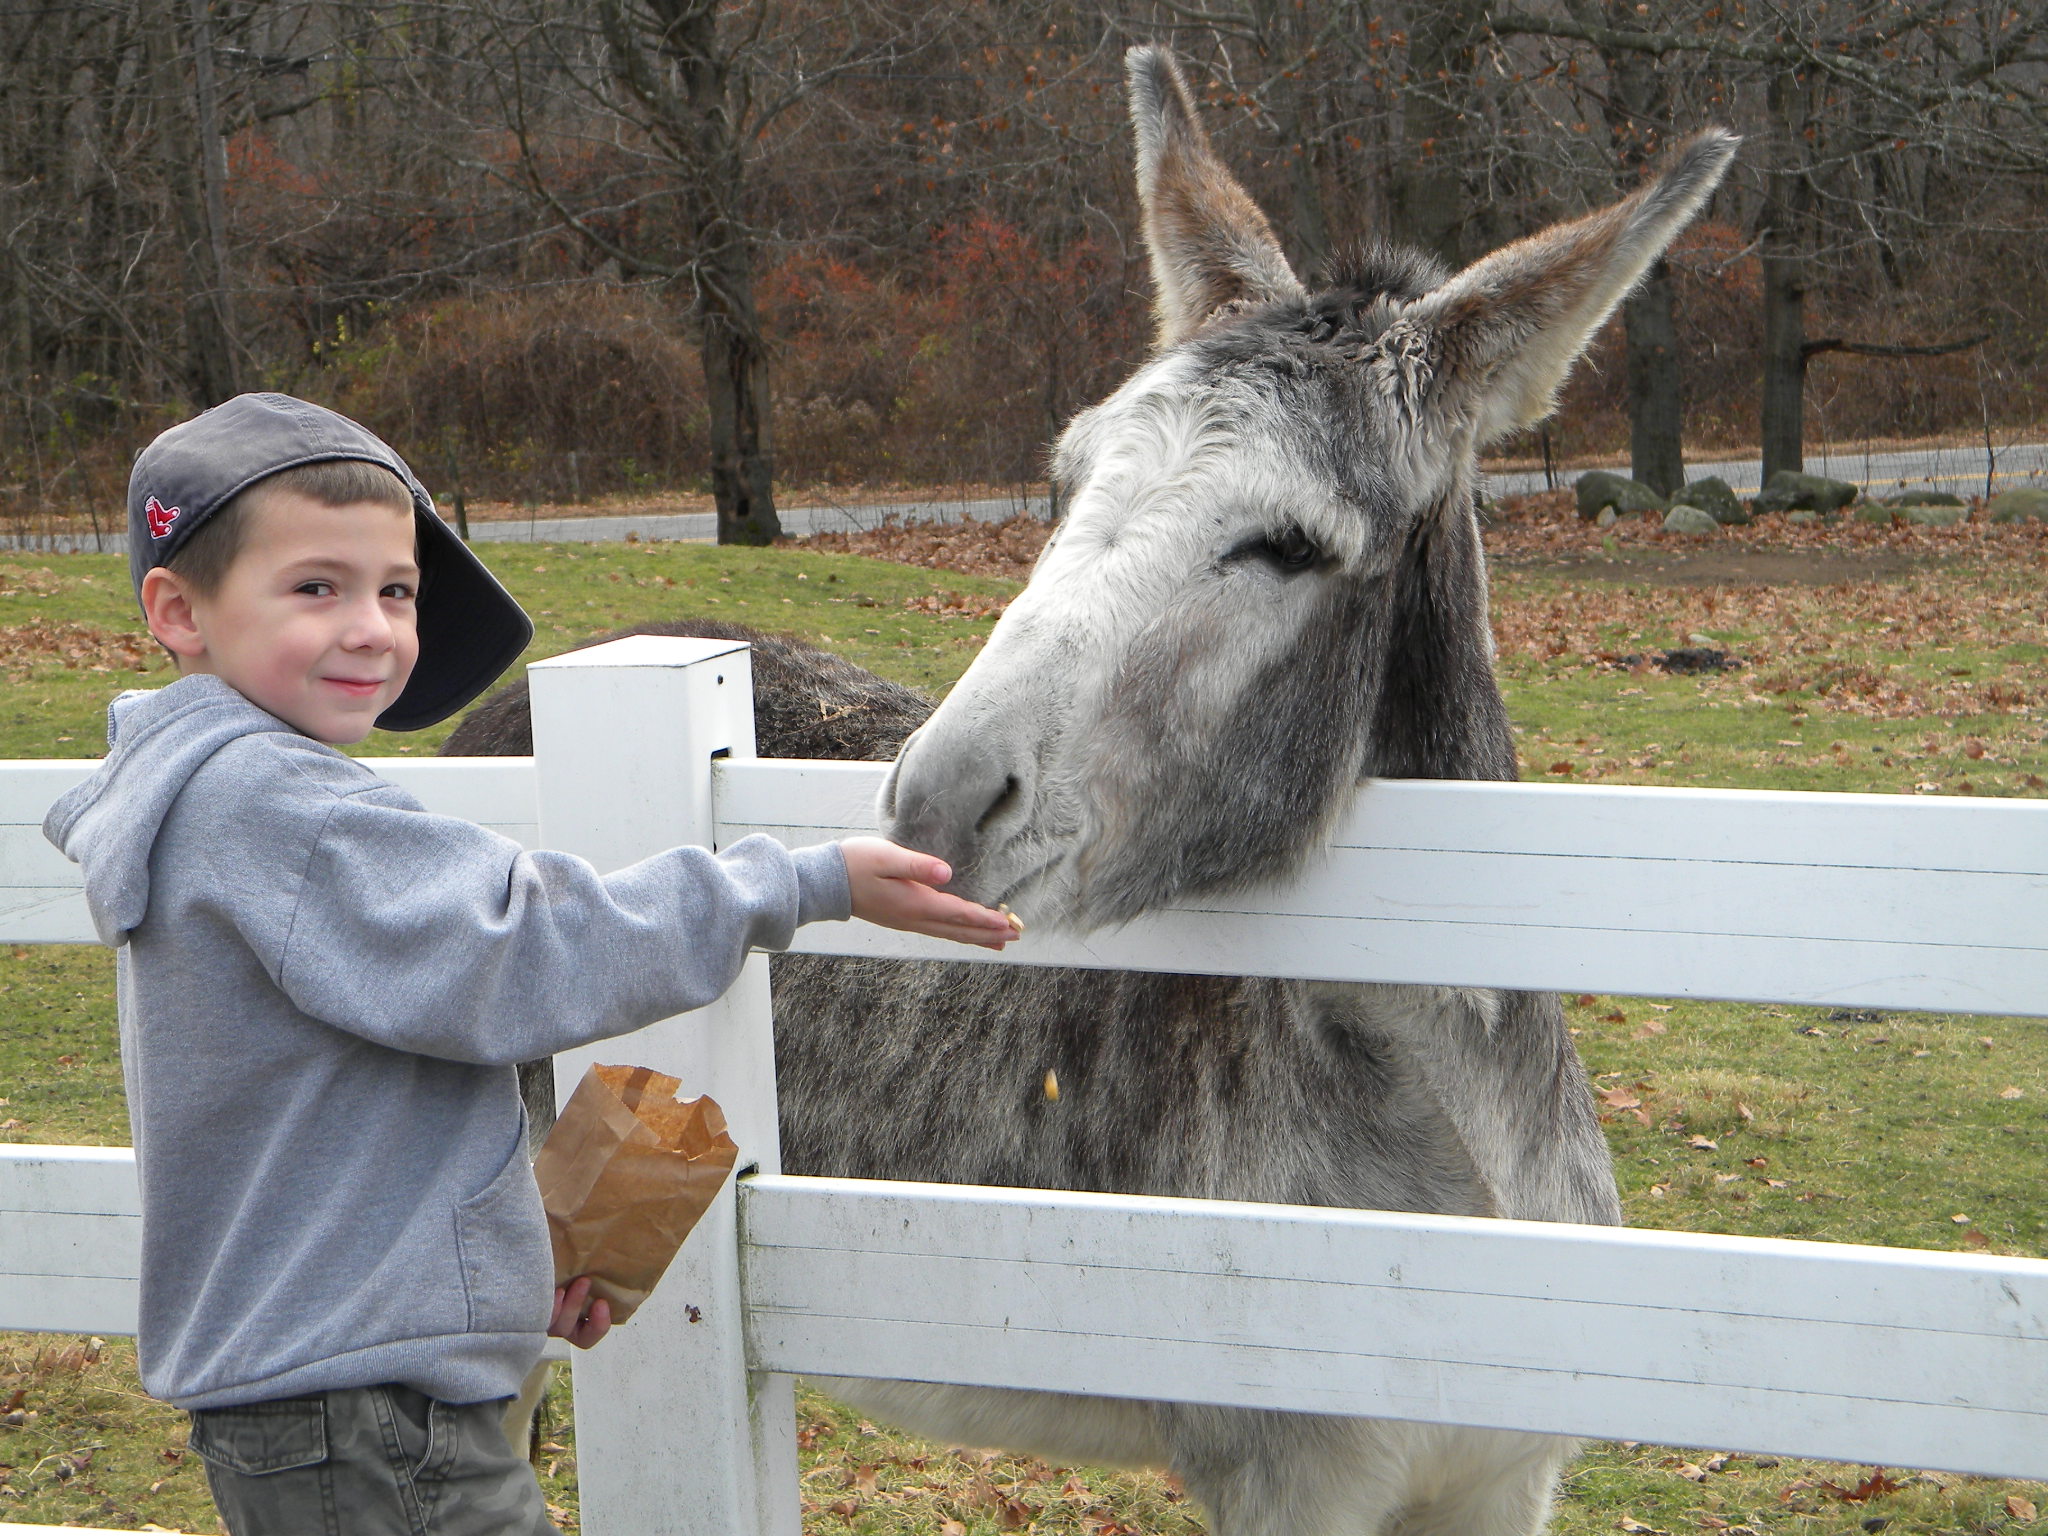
673 1436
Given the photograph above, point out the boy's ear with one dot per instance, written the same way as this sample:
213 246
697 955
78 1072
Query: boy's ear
167 609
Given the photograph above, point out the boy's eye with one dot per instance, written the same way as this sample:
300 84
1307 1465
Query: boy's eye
401 590
316 588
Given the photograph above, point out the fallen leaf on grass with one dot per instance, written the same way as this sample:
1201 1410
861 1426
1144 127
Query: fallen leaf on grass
1873 1485
1702 1144
952 1528
1960 1219
1648 1028
1620 1098
862 1480
2012 1093
1975 1239
1635 1527
1691 1473
2019 1508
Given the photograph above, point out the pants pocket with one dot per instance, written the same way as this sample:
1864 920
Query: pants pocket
260 1438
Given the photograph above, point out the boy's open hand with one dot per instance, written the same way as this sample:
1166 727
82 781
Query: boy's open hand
577 1318
894 887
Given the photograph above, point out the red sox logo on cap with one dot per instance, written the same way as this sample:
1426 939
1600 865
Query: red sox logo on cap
160 517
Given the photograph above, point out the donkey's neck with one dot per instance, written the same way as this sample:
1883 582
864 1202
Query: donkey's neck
1439 713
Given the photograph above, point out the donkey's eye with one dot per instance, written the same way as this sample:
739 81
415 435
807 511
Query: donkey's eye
1290 549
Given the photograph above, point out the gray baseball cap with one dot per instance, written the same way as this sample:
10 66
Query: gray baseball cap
471 630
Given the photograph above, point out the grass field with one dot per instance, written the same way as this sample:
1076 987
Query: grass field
1911 1130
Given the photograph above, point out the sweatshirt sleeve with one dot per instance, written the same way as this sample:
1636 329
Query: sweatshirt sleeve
431 934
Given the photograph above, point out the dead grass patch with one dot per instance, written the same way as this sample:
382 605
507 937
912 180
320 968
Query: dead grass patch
76 647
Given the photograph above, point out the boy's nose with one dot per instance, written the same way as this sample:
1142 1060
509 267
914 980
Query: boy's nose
368 628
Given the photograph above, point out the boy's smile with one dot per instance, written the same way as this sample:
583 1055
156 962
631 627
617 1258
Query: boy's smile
316 620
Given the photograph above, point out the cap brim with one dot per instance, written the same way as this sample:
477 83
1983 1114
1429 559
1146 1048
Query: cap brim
470 629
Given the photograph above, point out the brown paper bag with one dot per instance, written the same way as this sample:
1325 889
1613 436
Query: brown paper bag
624 1175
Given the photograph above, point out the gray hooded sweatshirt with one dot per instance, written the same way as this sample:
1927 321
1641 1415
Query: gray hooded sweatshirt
323 987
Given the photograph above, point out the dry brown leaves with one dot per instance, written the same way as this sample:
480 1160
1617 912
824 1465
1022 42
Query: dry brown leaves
80 647
1007 548
956 605
39 581
954 1487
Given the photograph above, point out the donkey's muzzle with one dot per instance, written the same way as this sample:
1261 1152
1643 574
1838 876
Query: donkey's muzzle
956 799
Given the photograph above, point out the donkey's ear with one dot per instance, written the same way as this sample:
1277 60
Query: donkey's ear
1210 246
1504 332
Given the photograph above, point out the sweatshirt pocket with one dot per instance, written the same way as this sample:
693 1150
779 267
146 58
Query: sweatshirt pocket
507 1263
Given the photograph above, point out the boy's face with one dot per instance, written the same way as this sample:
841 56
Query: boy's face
316 619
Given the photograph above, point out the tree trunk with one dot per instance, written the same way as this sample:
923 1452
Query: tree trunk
210 372
1784 389
1783 259
721 267
1428 193
1638 112
742 458
1656 403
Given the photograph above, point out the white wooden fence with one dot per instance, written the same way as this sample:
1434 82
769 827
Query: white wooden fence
684 1417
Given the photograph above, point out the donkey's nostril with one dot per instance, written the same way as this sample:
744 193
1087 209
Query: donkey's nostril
1006 798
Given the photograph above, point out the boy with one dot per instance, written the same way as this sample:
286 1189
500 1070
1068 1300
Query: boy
323 987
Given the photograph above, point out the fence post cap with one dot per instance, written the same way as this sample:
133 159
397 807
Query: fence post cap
642 651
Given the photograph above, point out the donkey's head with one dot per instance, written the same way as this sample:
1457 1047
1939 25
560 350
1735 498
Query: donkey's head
1268 582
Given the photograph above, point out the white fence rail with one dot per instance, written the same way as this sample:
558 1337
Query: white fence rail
1902 1357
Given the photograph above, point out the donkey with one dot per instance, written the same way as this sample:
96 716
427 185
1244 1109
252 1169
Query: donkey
1268 585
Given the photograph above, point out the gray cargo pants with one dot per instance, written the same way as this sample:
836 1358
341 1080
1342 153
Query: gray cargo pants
367 1461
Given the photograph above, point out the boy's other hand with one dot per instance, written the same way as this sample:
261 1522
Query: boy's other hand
577 1318
894 887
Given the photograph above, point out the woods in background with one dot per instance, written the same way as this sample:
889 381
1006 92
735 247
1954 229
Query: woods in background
557 247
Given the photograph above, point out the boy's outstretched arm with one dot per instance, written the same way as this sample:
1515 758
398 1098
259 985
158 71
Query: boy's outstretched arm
895 887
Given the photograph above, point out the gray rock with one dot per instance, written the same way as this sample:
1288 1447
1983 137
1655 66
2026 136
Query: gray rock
1713 496
1684 519
1925 498
1599 488
1802 519
1874 512
1788 489
1934 514
2029 504
1607 519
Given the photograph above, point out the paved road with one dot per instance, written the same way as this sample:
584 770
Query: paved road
698 527
1961 470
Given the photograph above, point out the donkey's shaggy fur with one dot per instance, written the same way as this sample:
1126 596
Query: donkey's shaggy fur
1269 584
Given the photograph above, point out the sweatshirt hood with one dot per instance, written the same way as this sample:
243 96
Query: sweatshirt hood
157 739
